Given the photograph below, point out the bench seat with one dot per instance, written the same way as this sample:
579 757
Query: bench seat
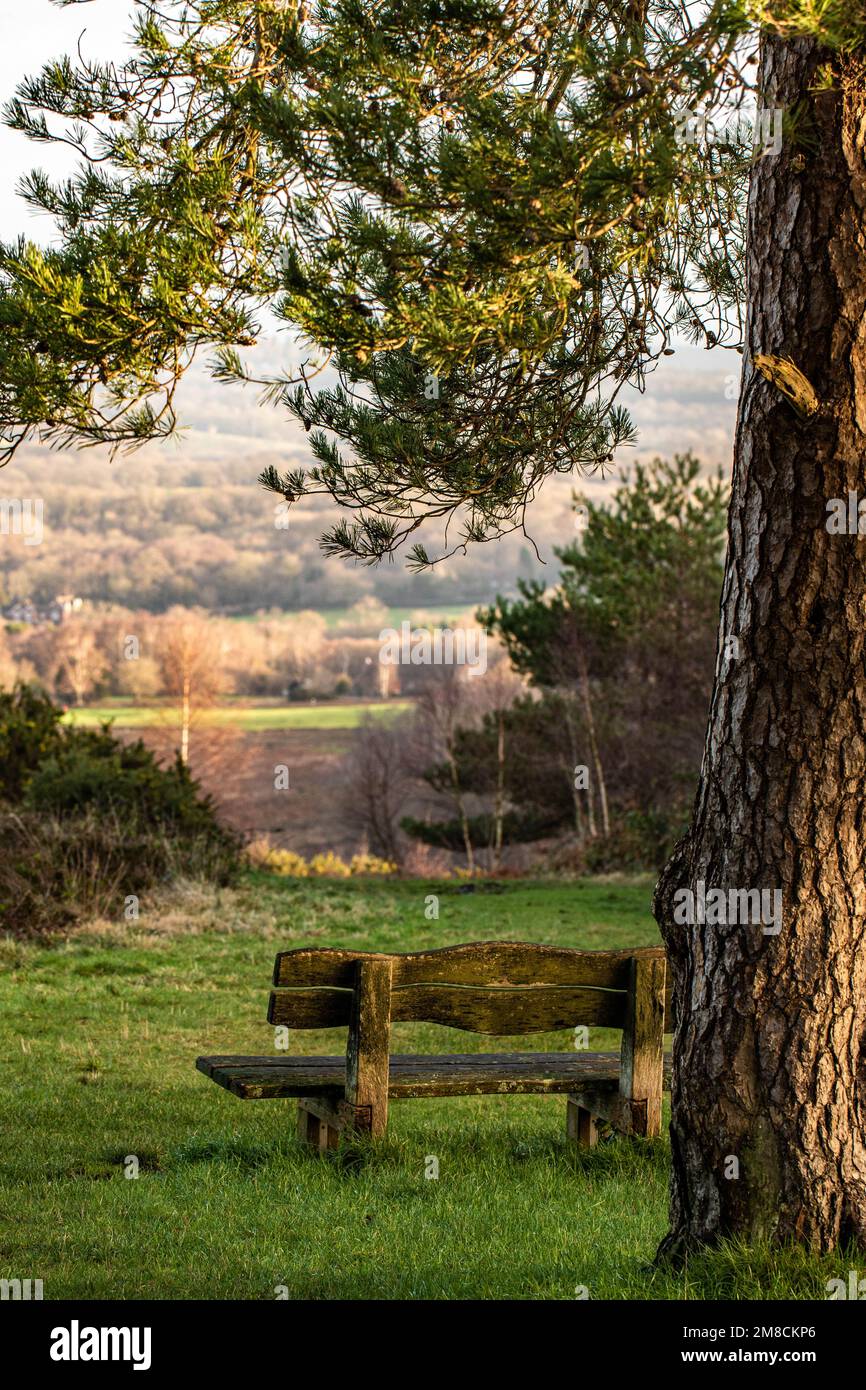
413 1076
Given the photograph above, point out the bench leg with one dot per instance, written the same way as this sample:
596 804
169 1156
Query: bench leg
581 1125
316 1132
642 1058
321 1123
367 1053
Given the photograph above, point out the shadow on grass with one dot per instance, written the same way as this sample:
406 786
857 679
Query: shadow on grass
231 1150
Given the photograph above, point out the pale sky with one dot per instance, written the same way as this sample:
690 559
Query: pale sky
688 404
32 32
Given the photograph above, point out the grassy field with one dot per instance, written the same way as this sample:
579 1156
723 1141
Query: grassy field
99 1040
249 718
339 617
336 618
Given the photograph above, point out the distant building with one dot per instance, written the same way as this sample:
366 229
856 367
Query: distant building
61 607
388 677
24 610
21 611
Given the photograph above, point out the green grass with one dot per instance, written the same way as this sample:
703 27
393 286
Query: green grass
99 1039
248 717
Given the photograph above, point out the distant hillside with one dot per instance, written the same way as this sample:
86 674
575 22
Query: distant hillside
187 523
149 534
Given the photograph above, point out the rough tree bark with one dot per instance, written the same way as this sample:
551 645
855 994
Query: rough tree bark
770 1051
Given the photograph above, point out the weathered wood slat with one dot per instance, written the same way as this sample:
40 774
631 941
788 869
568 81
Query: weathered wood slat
325 1008
508 1011
319 1076
310 1008
474 1008
418 1075
474 963
399 1060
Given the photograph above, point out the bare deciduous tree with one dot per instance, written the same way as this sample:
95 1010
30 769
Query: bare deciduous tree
378 784
190 656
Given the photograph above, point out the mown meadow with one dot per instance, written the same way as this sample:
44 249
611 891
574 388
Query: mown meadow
100 1036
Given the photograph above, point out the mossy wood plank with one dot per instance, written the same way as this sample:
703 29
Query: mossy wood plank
494 1010
417 1075
473 963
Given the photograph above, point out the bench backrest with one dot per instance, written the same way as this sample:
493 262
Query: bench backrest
494 987
497 987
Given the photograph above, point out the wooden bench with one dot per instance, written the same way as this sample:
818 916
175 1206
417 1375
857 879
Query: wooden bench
493 987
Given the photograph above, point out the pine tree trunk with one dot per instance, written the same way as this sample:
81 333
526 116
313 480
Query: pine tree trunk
770 1052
